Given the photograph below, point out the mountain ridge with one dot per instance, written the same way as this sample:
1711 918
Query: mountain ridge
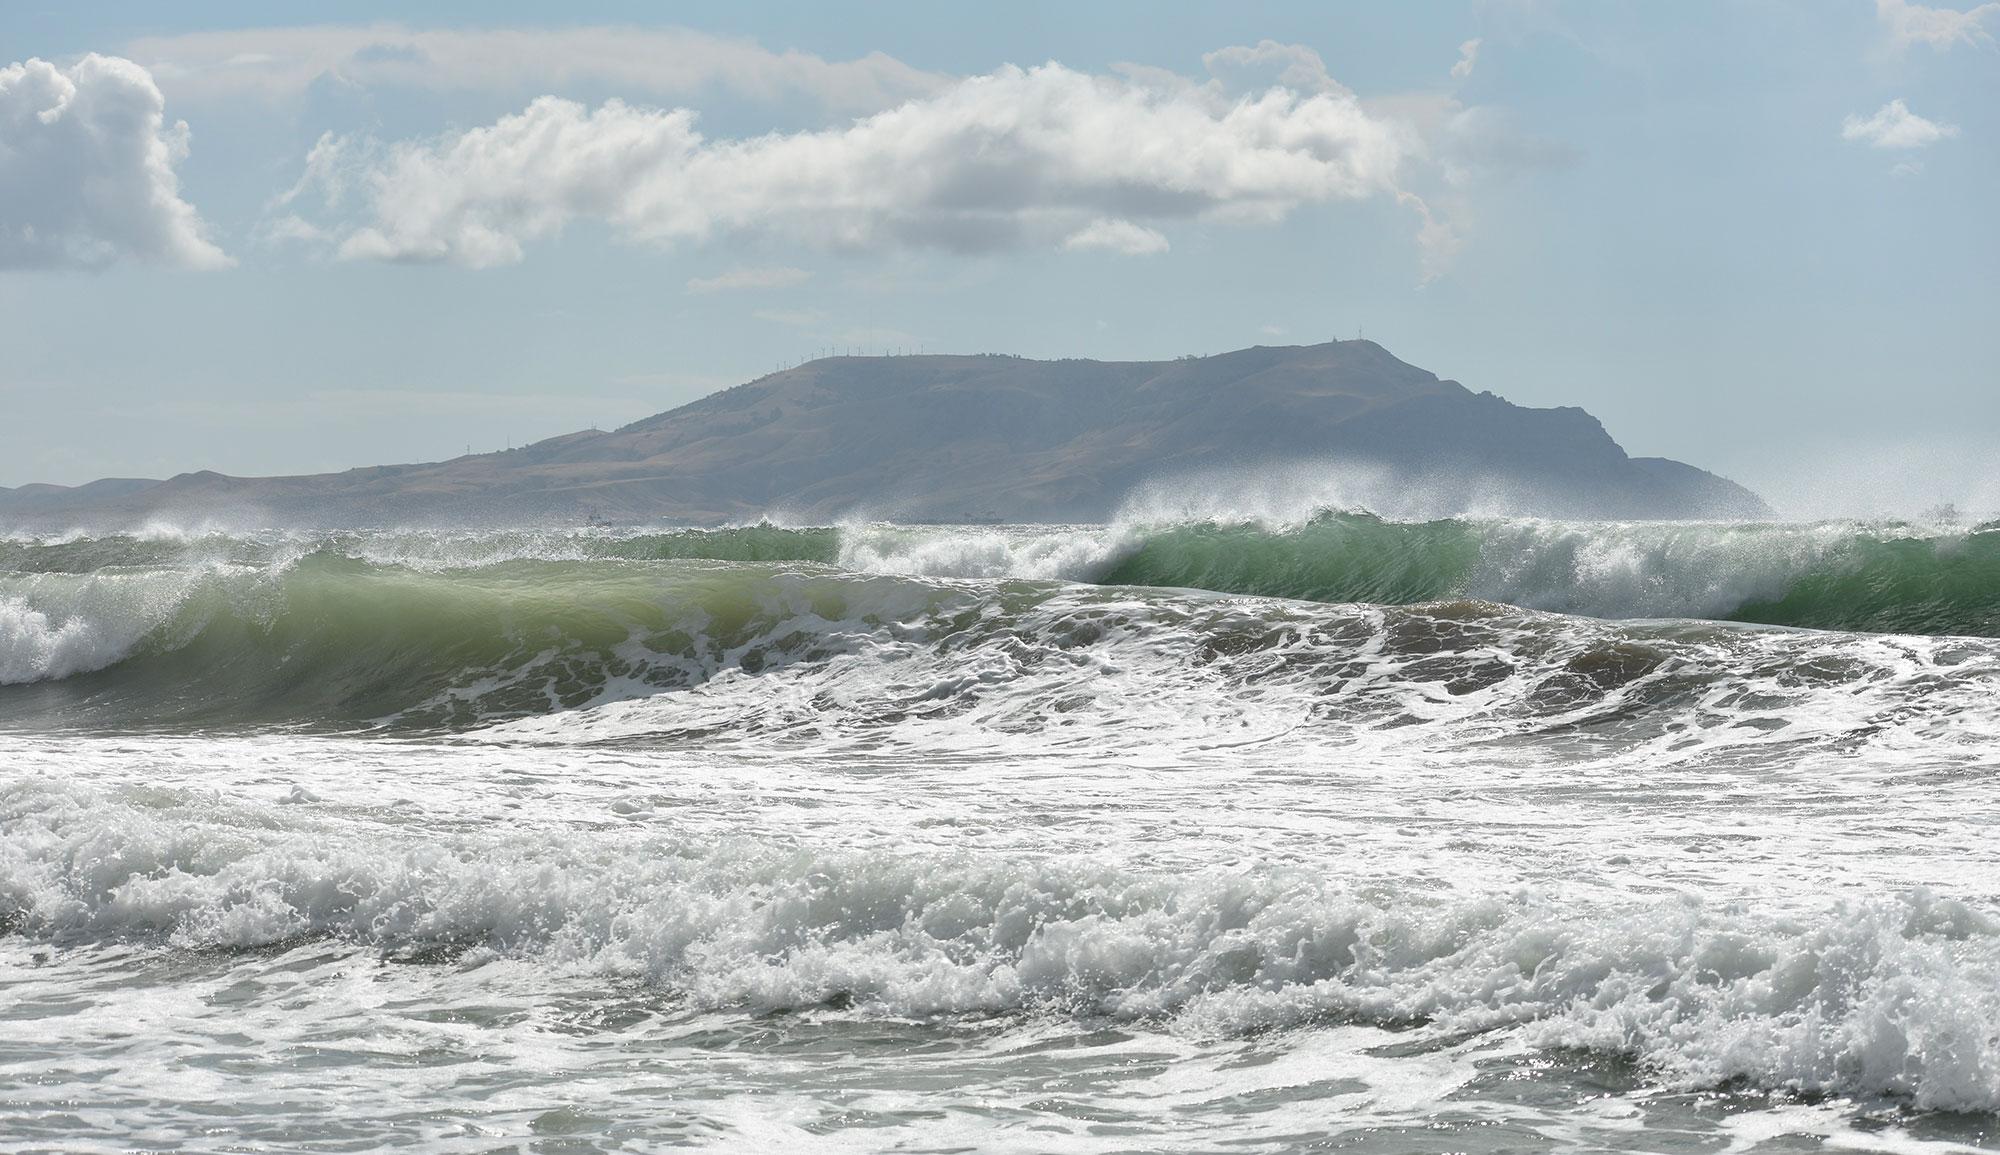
954 437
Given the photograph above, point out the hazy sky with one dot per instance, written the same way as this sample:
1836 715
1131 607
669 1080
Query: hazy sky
1758 236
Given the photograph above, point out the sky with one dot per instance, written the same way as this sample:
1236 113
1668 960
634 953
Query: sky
1758 236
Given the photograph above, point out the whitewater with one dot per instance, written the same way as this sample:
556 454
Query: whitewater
1182 833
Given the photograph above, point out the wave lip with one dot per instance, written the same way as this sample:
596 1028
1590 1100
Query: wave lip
1889 996
33 648
55 626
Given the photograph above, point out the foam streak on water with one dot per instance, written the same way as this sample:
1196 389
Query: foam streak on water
946 838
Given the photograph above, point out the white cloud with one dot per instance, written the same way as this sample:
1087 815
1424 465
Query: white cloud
1437 241
87 170
267 62
1895 126
1016 157
1269 63
291 227
1906 168
734 279
1468 56
1273 330
1117 236
1941 28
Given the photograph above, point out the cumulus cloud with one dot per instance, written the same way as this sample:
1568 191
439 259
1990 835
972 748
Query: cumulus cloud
87 170
269 62
1468 56
1118 237
1941 28
1895 126
736 279
1015 157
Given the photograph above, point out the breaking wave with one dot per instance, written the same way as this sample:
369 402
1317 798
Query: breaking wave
1894 995
740 648
1895 578
1883 577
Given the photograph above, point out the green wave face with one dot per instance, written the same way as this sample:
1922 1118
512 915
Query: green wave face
337 639
1885 579
1342 558
444 631
1904 586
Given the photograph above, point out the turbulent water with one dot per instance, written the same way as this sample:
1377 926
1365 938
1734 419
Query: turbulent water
1475 835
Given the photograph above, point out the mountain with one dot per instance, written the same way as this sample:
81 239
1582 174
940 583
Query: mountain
988 437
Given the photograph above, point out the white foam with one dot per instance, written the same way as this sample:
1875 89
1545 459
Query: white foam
1069 553
33 648
55 626
1629 570
1896 995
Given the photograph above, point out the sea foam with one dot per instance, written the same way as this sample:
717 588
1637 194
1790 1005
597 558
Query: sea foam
1896 995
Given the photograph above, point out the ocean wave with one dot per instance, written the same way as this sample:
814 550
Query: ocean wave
614 649
1895 577
334 638
1895 995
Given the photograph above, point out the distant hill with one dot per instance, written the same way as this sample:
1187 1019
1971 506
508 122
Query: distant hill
953 438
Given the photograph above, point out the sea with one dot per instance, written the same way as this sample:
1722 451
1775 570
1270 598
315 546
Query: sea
1337 833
